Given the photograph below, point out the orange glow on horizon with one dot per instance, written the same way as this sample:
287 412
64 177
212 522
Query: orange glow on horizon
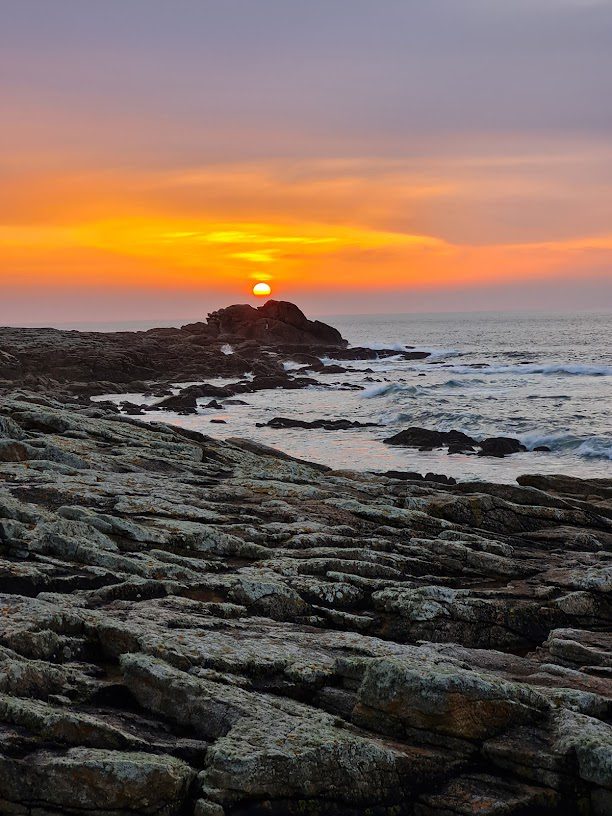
333 231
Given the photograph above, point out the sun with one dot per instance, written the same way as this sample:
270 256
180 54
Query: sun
262 290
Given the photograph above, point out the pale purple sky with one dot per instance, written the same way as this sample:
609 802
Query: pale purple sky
483 123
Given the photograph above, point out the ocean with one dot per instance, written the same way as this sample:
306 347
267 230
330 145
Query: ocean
544 378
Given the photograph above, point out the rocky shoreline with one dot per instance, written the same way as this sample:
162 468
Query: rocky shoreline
201 627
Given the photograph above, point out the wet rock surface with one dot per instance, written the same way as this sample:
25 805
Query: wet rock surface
456 442
192 626
322 424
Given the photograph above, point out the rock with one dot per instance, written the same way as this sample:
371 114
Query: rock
95 781
181 403
274 322
456 441
333 369
410 475
365 353
487 795
10 429
13 451
191 625
500 446
460 448
324 424
590 742
96 362
444 699
414 437
568 485
268 382
132 409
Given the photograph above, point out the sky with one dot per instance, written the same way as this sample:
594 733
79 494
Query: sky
159 157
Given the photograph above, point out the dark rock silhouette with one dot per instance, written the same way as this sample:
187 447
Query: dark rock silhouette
456 442
323 424
414 437
103 362
500 446
277 321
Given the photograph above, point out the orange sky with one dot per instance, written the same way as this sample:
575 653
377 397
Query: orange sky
222 229
166 162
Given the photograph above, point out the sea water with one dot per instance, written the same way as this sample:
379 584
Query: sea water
544 378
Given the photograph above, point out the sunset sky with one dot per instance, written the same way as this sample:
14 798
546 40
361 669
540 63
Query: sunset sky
158 157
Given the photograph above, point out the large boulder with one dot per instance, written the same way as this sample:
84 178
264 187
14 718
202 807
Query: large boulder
500 446
415 437
276 322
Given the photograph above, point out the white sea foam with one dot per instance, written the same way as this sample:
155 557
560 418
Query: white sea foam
555 440
595 447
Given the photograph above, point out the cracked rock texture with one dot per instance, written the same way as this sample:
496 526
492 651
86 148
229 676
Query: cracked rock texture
190 626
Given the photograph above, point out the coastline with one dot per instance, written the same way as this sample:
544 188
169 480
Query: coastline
196 625
204 626
234 377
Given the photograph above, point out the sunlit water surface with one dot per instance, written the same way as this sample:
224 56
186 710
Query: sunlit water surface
546 379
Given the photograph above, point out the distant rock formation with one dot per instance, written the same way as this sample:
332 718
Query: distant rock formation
277 321
93 362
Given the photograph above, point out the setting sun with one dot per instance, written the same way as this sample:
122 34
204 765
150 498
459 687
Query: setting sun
262 290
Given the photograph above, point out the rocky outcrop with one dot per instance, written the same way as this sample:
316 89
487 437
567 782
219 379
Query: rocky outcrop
455 441
199 627
414 437
275 322
100 362
321 424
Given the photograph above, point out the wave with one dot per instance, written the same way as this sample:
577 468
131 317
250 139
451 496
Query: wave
412 390
595 447
457 383
391 388
577 369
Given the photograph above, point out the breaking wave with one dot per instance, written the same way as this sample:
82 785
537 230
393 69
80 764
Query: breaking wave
595 447
391 388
